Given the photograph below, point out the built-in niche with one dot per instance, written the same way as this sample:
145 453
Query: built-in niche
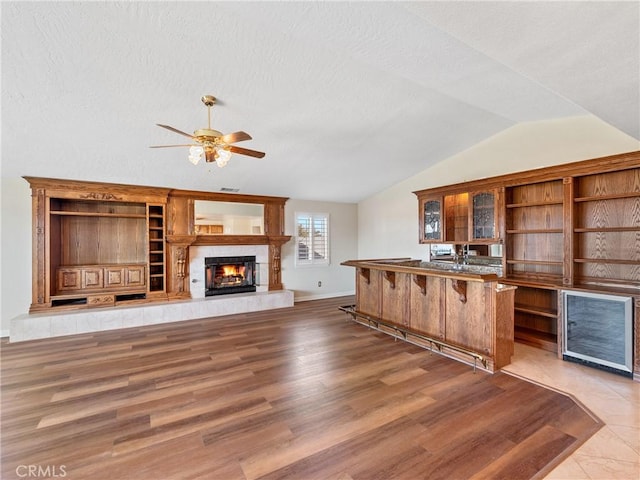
228 218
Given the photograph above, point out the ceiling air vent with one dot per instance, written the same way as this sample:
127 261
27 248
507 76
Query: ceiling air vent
229 189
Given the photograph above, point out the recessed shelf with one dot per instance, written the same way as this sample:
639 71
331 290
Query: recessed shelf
534 310
535 230
543 340
534 204
606 229
607 260
95 214
613 196
533 262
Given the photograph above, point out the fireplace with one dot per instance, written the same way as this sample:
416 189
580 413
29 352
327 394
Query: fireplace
224 275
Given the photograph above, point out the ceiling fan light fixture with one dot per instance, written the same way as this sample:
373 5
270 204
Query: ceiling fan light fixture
223 157
195 154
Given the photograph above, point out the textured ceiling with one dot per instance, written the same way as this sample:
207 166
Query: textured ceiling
345 98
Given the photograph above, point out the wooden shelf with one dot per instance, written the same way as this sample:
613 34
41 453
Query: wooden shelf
607 260
606 229
541 311
543 340
534 204
613 196
620 290
536 230
96 214
525 281
533 262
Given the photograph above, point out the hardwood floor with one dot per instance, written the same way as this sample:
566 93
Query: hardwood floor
296 393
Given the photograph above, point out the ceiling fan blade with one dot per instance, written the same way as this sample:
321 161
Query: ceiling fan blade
175 130
246 151
169 146
235 137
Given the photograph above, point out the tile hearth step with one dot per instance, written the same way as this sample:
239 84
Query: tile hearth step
32 327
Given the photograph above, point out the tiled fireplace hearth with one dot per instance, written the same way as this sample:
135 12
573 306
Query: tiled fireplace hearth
44 325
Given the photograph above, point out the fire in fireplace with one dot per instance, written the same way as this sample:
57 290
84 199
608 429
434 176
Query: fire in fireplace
224 275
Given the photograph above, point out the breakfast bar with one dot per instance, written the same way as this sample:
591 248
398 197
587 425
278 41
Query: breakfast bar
463 311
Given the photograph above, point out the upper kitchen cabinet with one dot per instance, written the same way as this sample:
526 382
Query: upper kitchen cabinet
456 218
430 221
464 217
484 213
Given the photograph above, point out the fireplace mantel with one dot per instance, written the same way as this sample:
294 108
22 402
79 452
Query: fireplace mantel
205 240
178 275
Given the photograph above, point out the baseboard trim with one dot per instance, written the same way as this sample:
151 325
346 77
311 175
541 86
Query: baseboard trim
306 298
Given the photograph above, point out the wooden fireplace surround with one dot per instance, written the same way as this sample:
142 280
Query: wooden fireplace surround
103 244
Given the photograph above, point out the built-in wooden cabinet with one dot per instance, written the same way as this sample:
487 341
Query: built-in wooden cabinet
456 218
534 232
536 316
101 244
606 229
571 226
95 244
431 220
484 217
459 218
82 279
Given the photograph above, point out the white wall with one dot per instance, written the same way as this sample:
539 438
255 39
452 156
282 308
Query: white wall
384 225
15 293
388 221
343 237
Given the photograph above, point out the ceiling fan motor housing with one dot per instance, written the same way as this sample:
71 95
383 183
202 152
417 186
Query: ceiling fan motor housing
205 134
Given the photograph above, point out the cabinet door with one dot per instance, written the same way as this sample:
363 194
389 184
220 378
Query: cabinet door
431 220
483 216
114 277
135 276
92 278
68 279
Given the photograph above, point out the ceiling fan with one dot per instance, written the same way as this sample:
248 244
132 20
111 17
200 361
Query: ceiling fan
215 146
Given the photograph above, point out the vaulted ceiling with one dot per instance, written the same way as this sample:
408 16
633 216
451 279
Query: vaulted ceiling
345 98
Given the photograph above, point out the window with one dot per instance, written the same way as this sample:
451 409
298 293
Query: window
312 239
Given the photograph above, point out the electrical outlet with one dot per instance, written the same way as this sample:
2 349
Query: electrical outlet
319 283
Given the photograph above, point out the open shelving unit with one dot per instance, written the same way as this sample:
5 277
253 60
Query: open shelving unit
605 237
96 245
86 266
157 247
534 259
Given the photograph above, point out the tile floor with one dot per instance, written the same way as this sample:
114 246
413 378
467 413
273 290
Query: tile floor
614 451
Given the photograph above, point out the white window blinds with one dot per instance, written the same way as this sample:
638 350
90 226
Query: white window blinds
312 239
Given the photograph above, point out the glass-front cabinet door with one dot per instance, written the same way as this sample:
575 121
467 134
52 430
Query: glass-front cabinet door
431 228
483 216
